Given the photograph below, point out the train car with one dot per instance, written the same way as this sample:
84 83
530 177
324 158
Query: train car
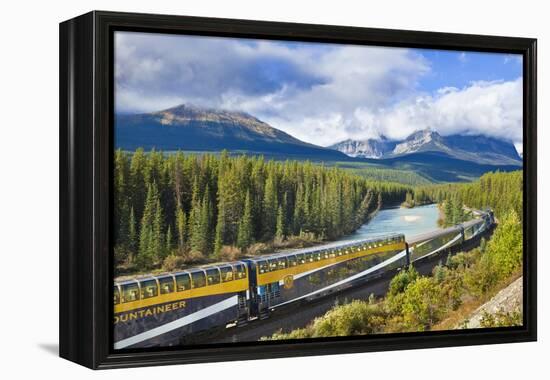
475 227
305 274
159 310
436 242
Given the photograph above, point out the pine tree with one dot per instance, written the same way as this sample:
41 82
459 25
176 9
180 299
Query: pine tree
458 211
196 236
181 223
148 239
270 207
220 230
205 223
132 235
244 236
157 243
448 211
168 248
280 232
298 215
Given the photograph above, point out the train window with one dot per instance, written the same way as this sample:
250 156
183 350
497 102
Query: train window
183 282
272 264
116 295
130 292
213 276
240 271
325 255
292 262
339 252
332 254
226 273
309 257
301 258
317 256
166 285
199 279
282 263
149 289
263 266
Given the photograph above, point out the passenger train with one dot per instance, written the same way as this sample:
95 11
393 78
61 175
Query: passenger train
160 310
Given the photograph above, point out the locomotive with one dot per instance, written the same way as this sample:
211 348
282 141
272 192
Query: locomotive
160 310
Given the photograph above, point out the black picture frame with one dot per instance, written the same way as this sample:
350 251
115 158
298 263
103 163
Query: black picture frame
86 149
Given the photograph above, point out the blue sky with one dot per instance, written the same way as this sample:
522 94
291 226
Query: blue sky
458 69
324 93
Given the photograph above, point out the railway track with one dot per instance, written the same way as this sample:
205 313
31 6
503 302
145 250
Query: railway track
301 314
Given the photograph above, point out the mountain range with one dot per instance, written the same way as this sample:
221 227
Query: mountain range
191 128
480 149
434 157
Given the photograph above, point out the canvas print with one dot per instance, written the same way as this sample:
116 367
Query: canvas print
272 190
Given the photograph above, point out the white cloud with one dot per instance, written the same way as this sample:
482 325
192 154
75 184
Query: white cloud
489 108
319 93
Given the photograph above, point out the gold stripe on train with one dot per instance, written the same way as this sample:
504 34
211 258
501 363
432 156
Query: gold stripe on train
275 276
225 287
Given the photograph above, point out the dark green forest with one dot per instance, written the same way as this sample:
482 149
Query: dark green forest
501 191
173 209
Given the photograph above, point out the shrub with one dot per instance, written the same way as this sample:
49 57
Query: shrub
502 319
173 262
294 334
423 304
400 281
258 249
192 257
229 253
355 318
463 260
398 284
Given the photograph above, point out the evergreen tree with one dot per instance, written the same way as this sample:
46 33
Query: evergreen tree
196 228
220 230
181 224
157 243
270 207
244 237
280 232
168 248
205 215
149 240
448 211
205 201
132 235
457 211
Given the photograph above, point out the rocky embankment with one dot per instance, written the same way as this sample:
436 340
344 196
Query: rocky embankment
508 300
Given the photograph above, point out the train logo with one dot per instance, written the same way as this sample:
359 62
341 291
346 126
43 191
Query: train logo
288 281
